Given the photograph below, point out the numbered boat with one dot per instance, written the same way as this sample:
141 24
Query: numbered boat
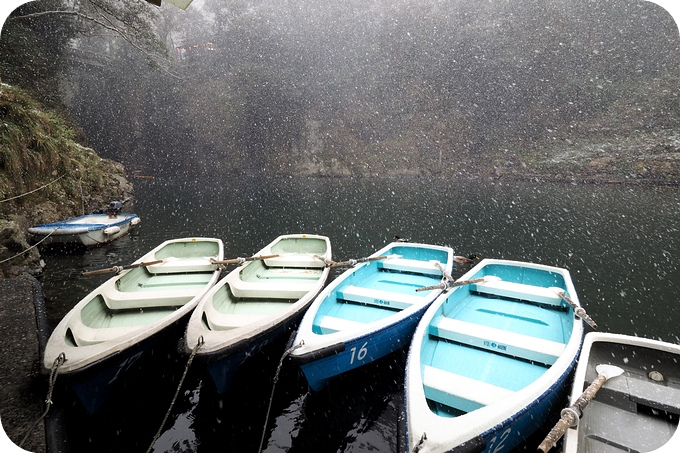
111 329
491 357
637 410
369 310
88 230
257 303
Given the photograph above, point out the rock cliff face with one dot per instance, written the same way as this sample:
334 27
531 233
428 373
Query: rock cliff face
45 176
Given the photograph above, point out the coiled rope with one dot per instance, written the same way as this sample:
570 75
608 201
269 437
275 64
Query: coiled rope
271 397
54 371
179 386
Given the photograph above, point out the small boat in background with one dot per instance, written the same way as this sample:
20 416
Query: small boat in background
635 411
89 230
369 310
491 357
114 326
256 303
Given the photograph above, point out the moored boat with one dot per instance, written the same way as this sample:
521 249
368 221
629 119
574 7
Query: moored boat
369 310
113 327
256 303
636 411
88 230
491 357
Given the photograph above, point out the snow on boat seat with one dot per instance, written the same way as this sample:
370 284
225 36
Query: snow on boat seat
331 324
629 392
271 288
519 291
460 392
497 340
380 298
119 300
173 265
227 321
406 265
295 260
85 336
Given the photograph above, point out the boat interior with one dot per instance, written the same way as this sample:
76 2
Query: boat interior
493 338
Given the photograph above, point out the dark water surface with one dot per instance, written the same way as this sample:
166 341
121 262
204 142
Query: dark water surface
621 245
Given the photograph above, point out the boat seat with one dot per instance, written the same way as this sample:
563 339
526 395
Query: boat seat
406 265
86 336
460 392
629 391
120 300
381 298
519 291
498 340
173 265
272 288
331 324
296 260
227 321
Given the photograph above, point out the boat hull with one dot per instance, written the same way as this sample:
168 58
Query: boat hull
369 311
256 304
490 360
112 329
87 231
636 411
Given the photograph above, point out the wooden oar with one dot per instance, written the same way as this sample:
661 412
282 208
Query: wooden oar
571 414
451 285
118 269
242 260
578 310
356 261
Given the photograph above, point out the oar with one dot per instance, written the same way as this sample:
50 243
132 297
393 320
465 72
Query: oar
242 260
452 285
118 269
571 414
578 310
356 261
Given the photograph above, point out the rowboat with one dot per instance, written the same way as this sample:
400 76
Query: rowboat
256 303
491 357
368 311
636 411
112 328
87 230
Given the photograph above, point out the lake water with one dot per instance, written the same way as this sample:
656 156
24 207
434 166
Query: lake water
620 243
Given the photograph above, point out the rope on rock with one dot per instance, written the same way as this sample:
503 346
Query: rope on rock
34 190
54 371
271 397
31 247
179 386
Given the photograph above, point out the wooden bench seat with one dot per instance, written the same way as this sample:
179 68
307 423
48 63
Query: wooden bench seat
497 340
173 265
331 324
406 265
460 392
519 291
381 298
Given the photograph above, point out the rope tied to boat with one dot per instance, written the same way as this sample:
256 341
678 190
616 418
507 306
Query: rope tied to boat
199 343
276 379
54 371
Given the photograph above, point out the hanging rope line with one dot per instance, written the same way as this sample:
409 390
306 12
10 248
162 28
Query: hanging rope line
54 371
31 247
34 190
271 397
179 386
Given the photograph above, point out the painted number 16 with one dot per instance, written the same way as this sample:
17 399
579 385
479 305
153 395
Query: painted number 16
360 355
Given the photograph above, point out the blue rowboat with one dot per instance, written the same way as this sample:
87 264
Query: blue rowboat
490 358
368 311
88 230
111 329
257 303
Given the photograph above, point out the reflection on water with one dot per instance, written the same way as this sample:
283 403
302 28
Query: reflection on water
620 244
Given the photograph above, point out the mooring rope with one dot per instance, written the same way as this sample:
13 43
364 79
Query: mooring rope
179 386
31 247
34 190
271 397
54 371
